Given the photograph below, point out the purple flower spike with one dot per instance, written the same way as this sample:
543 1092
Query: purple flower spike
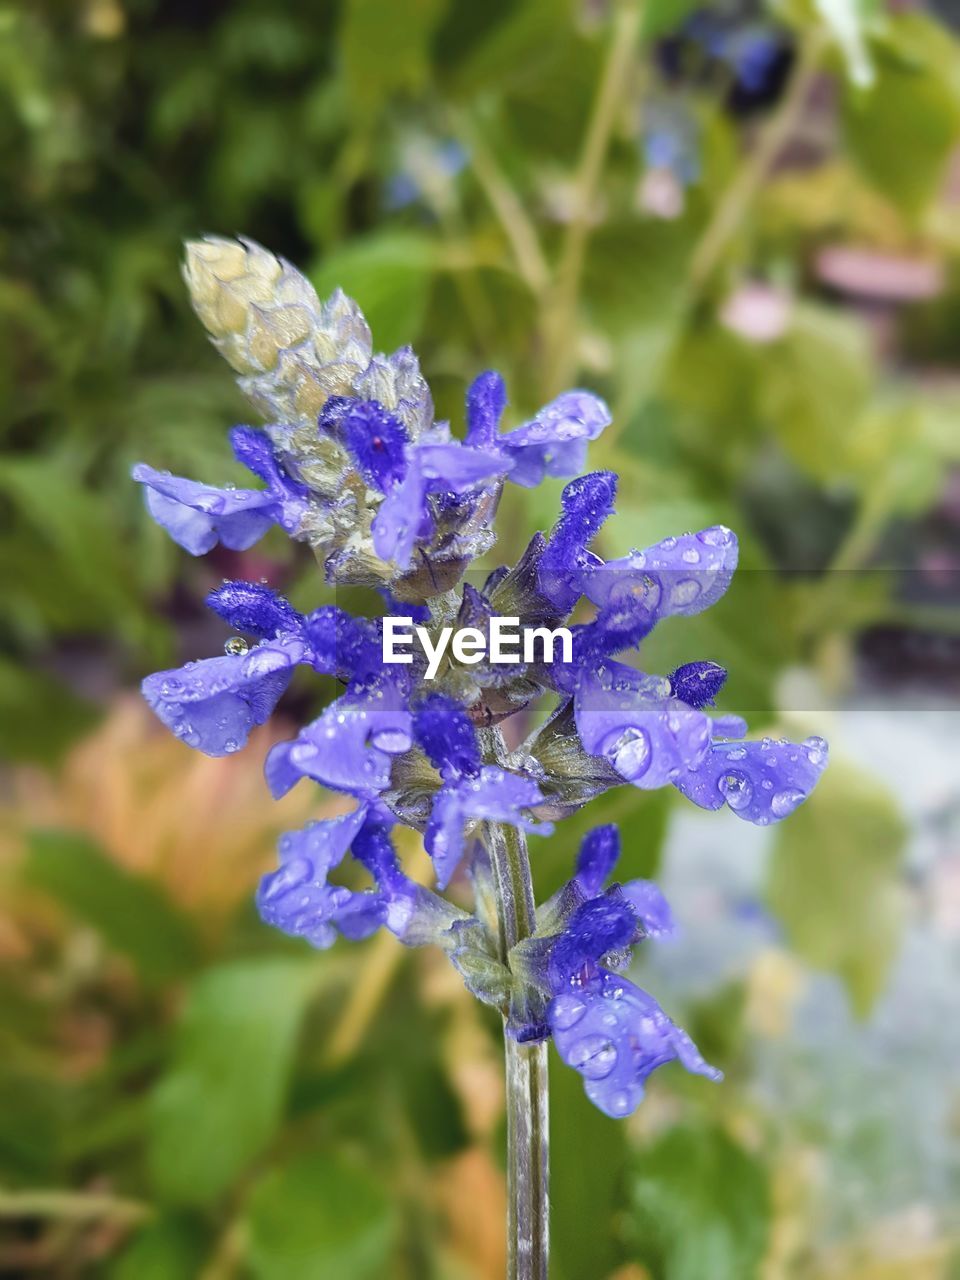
554 443
377 441
442 729
630 718
354 464
198 516
495 796
213 704
698 683
691 572
297 898
486 401
255 610
761 782
615 1035
598 856
348 748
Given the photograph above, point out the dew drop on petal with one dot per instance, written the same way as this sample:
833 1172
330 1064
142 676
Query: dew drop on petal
736 790
593 1056
630 753
236 647
786 801
566 1011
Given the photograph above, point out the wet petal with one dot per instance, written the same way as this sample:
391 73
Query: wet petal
213 704
614 1034
761 782
630 718
554 443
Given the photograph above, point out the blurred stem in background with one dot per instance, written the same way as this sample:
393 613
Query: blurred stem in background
560 320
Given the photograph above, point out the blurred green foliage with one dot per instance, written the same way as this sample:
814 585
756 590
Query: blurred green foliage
178 1100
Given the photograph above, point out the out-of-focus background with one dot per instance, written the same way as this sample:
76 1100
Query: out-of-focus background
740 224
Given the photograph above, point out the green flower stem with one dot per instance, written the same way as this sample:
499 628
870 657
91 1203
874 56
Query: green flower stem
528 1201
528 1161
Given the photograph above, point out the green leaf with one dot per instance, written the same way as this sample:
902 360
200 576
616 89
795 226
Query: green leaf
321 1217
223 1096
86 560
384 54
39 717
661 17
587 1184
131 914
834 880
701 1207
526 38
813 385
389 274
168 1249
903 129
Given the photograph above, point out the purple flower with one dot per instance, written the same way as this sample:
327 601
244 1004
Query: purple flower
649 736
650 907
762 782
198 516
442 729
554 442
686 574
598 855
255 609
585 504
342 645
698 683
377 440
486 401
349 748
493 795
213 704
297 897
615 1035
603 924
434 465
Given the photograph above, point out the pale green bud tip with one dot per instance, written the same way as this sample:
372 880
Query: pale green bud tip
225 278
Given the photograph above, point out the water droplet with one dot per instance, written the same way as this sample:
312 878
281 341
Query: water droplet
631 753
236 647
593 1056
718 536
231 745
391 740
816 750
685 592
567 1011
690 556
736 790
619 1103
290 876
786 801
